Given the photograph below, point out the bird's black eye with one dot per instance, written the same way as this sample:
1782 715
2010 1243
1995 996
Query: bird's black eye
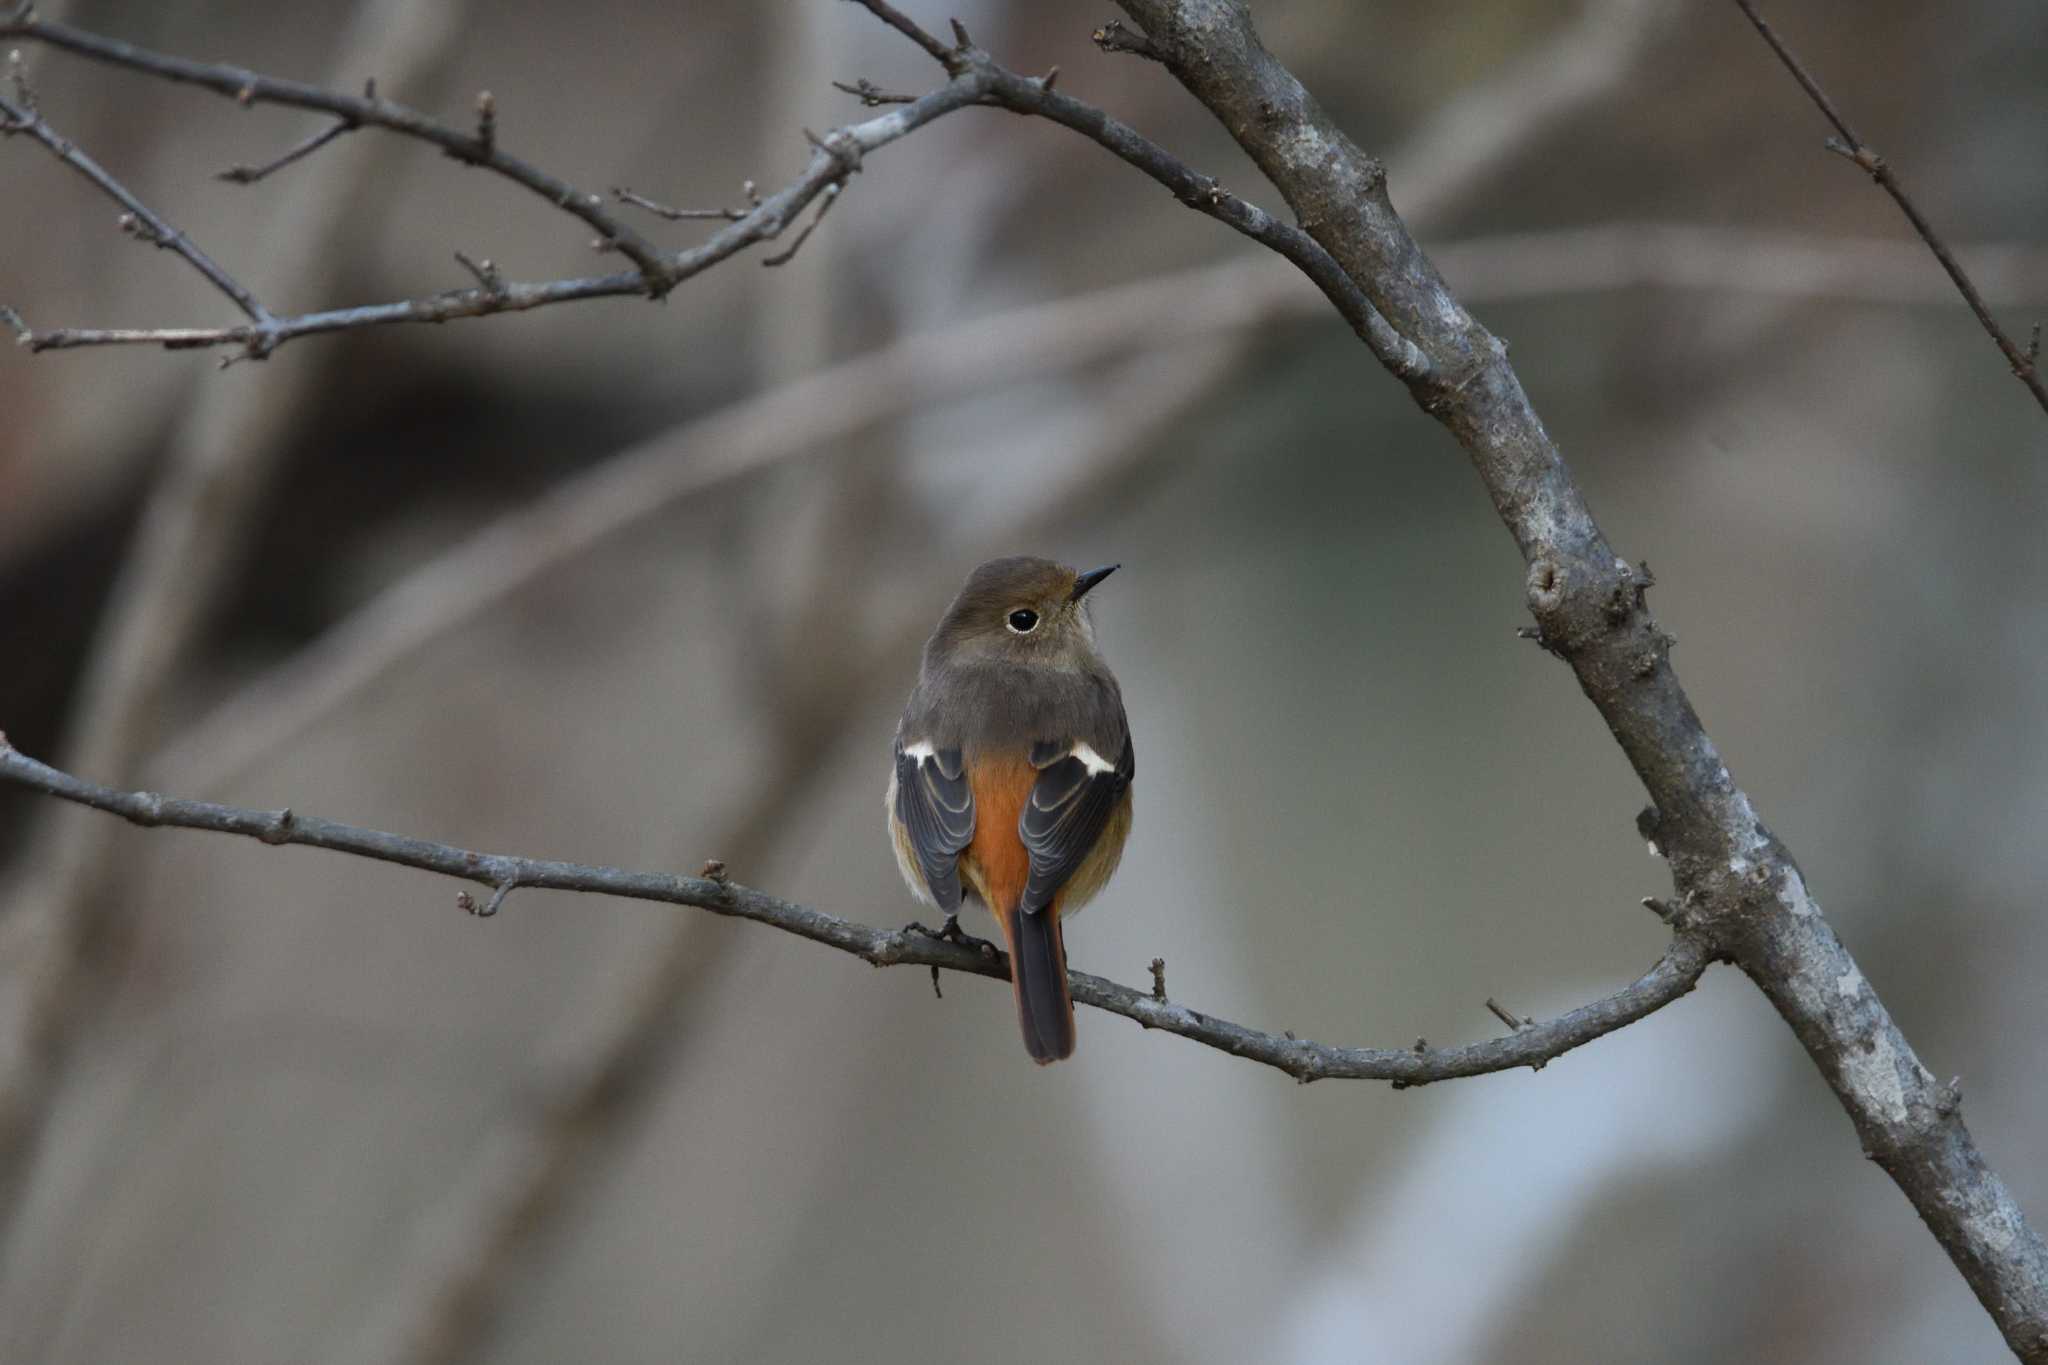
1023 620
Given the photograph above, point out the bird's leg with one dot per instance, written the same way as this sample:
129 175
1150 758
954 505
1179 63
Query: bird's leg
953 933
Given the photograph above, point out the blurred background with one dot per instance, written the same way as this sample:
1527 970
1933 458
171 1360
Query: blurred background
644 584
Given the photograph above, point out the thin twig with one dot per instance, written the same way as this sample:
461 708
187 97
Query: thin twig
138 218
1117 36
975 79
831 197
1857 150
872 96
1506 1016
242 174
676 215
249 88
1672 977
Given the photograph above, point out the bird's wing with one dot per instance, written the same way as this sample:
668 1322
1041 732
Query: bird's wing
1076 793
936 807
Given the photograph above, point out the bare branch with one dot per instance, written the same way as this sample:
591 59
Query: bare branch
1743 891
1117 36
975 79
909 28
249 175
1857 150
765 221
210 483
825 204
137 219
675 215
1532 1045
369 110
872 96
1204 194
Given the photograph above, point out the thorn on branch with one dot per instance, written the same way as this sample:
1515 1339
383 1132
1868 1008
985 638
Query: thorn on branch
936 992
1421 1046
1507 1017
24 335
1950 1101
1159 980
486 123
961 42
2034 345
280 831
713 871
871 95
1117 36
1049 79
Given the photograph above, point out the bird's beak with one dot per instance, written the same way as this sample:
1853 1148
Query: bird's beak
1088 580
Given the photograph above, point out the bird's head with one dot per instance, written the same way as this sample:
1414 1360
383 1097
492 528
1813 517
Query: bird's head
1023 610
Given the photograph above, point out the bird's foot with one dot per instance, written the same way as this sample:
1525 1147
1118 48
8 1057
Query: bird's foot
953 933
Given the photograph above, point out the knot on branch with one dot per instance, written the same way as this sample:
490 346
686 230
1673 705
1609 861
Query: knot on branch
1545 586
842 147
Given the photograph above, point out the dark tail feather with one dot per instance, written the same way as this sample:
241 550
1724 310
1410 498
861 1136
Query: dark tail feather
1038 972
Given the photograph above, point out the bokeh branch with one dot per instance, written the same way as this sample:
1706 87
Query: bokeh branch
1532 1045
2024 361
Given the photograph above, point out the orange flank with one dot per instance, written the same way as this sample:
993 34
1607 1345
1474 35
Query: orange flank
997 864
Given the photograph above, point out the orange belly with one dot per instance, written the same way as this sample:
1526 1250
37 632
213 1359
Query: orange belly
996 864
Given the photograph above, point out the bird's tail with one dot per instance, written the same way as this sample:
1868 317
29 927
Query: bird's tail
1038 973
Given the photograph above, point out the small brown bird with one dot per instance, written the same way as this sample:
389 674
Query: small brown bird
1013 774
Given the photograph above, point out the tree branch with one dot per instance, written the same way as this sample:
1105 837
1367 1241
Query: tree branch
138 220
975 79
370 110
249 175
1857 150
1742 888
836 158
1533 1045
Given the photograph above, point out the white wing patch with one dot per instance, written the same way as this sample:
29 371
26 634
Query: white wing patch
1092 761
920 751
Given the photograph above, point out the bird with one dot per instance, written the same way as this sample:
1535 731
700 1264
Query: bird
1012 774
